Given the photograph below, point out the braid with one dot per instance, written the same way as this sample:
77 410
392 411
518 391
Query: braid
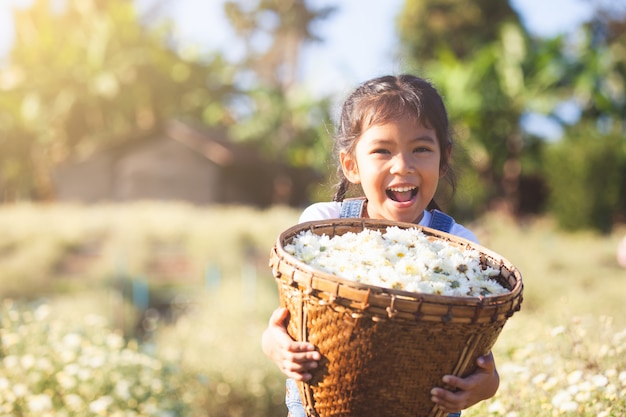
342 189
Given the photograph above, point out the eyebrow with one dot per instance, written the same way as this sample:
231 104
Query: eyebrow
423 138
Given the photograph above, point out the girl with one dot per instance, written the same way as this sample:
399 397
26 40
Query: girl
393 141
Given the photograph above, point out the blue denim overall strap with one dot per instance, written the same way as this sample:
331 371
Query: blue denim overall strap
352 207
440 221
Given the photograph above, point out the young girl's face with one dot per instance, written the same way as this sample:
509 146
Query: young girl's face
398 166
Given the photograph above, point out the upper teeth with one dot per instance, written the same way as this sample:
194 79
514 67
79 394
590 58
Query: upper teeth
401 189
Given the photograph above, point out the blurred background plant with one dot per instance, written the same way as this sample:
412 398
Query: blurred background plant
80 367
66 95
193 314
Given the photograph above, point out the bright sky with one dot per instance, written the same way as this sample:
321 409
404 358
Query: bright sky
359 39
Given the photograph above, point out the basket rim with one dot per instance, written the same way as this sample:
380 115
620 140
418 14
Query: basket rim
364 223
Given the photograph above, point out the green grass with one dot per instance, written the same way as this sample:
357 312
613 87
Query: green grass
562 354
565 274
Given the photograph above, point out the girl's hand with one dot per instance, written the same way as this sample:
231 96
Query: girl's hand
480 385
294 359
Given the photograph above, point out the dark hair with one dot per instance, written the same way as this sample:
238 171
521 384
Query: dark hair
385 99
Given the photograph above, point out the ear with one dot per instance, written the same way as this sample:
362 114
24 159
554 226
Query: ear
349 167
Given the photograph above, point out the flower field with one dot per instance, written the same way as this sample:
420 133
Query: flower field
157 310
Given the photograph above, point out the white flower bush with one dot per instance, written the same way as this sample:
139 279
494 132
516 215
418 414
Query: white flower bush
403 259
55 368
573 370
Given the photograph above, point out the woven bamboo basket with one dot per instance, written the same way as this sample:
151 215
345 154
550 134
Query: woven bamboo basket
383 350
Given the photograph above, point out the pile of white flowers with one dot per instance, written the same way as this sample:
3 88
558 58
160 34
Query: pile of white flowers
51 367
402 259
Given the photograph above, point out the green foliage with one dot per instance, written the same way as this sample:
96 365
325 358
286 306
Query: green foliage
66 94
585 172
287 126
45 249
275 112
492 72
483 116
89 75
427 26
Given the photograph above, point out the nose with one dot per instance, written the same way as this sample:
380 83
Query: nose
403 163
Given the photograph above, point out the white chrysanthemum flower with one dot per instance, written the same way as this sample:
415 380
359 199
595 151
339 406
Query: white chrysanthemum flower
45 365
27 361
403 259
11 361
20 390
490 287
557 331
74 402
599 380
575 377
122 390
114 341
101 404
42 312
9 339
40 403
459 287
72 340
568 406
66 380
496 407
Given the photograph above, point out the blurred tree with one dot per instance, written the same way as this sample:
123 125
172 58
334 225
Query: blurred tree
474 52
492 73
586 170
85 74
278 113
274 32
427 26
587 175
597 69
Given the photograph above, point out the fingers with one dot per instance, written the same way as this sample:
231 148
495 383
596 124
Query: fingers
462 393
446 400
457 384
294 359
454 398
299 366
487 363
298 360
279 316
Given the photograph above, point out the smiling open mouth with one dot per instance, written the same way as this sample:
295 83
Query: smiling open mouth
401 194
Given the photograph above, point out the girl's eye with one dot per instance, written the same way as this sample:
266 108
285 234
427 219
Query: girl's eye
421 149
381 151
